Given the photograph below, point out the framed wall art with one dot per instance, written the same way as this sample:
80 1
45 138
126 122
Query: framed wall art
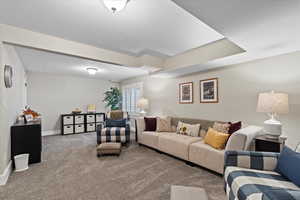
209 91
186 95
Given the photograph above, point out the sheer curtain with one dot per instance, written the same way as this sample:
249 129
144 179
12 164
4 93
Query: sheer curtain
131 94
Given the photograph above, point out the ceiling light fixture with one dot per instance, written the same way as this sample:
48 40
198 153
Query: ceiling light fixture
92 70
115 5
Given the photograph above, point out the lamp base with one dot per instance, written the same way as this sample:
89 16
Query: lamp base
272 128
143 113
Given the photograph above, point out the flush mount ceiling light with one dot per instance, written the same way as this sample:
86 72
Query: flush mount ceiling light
92 70
115 5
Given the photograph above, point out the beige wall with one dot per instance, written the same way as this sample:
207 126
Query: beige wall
239 86
53 95
12 100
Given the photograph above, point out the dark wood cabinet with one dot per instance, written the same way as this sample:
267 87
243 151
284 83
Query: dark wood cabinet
27 138
265 144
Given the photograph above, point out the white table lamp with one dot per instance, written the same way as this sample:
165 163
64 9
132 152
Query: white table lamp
273 104
143 104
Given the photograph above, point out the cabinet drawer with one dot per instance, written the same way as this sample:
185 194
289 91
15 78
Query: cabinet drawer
79 119
99 118
79 128
68 120
68 129
90 118
90 127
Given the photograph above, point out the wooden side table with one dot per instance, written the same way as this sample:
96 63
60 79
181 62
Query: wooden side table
263 143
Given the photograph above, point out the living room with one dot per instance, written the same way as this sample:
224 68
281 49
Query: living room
197 94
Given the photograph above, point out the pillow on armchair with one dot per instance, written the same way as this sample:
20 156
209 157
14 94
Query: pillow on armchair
115 123
117 115
288 165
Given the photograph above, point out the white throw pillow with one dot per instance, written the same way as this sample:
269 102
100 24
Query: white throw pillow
188 129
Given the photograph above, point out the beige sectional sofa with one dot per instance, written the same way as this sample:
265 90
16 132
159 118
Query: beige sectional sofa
193 149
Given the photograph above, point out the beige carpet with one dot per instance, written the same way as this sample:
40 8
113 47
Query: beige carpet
70 170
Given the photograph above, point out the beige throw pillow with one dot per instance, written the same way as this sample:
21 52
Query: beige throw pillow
163 124
188 129
221 127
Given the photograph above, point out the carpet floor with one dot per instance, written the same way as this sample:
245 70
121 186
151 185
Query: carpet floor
71 171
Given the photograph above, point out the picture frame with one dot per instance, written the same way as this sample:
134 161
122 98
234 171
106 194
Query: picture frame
209 91
28 118
186 93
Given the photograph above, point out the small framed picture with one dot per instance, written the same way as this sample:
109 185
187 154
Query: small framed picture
209 91
186 93
28 118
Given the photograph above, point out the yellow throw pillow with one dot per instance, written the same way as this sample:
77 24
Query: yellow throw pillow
216 139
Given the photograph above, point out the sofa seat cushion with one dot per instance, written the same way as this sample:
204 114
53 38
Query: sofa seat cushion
150 138
207 156
246 183
176 145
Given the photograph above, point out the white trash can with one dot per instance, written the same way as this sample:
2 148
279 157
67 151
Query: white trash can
21 162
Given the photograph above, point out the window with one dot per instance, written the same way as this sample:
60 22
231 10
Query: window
131 95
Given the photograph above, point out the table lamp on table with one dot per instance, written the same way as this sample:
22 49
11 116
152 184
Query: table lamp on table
273 104
143 104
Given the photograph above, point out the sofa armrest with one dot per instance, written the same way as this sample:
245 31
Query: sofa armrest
140 125
236 142
251 160
250 132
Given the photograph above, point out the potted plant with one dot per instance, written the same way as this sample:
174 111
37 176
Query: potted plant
113 98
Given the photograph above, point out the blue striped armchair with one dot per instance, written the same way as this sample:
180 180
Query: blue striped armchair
252 175
115 129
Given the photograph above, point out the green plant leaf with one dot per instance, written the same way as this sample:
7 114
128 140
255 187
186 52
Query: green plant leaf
113 98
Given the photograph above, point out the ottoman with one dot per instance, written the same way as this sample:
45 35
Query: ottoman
109 148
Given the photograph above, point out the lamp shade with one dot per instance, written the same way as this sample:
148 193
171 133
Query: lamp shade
273 103
143 104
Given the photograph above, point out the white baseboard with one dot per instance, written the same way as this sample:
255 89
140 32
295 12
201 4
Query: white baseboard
50 132
4 177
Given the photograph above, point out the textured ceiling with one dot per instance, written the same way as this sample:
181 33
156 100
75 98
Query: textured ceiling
154 27
262 28
160 28
42 61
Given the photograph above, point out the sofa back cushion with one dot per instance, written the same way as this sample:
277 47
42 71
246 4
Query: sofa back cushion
288 165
